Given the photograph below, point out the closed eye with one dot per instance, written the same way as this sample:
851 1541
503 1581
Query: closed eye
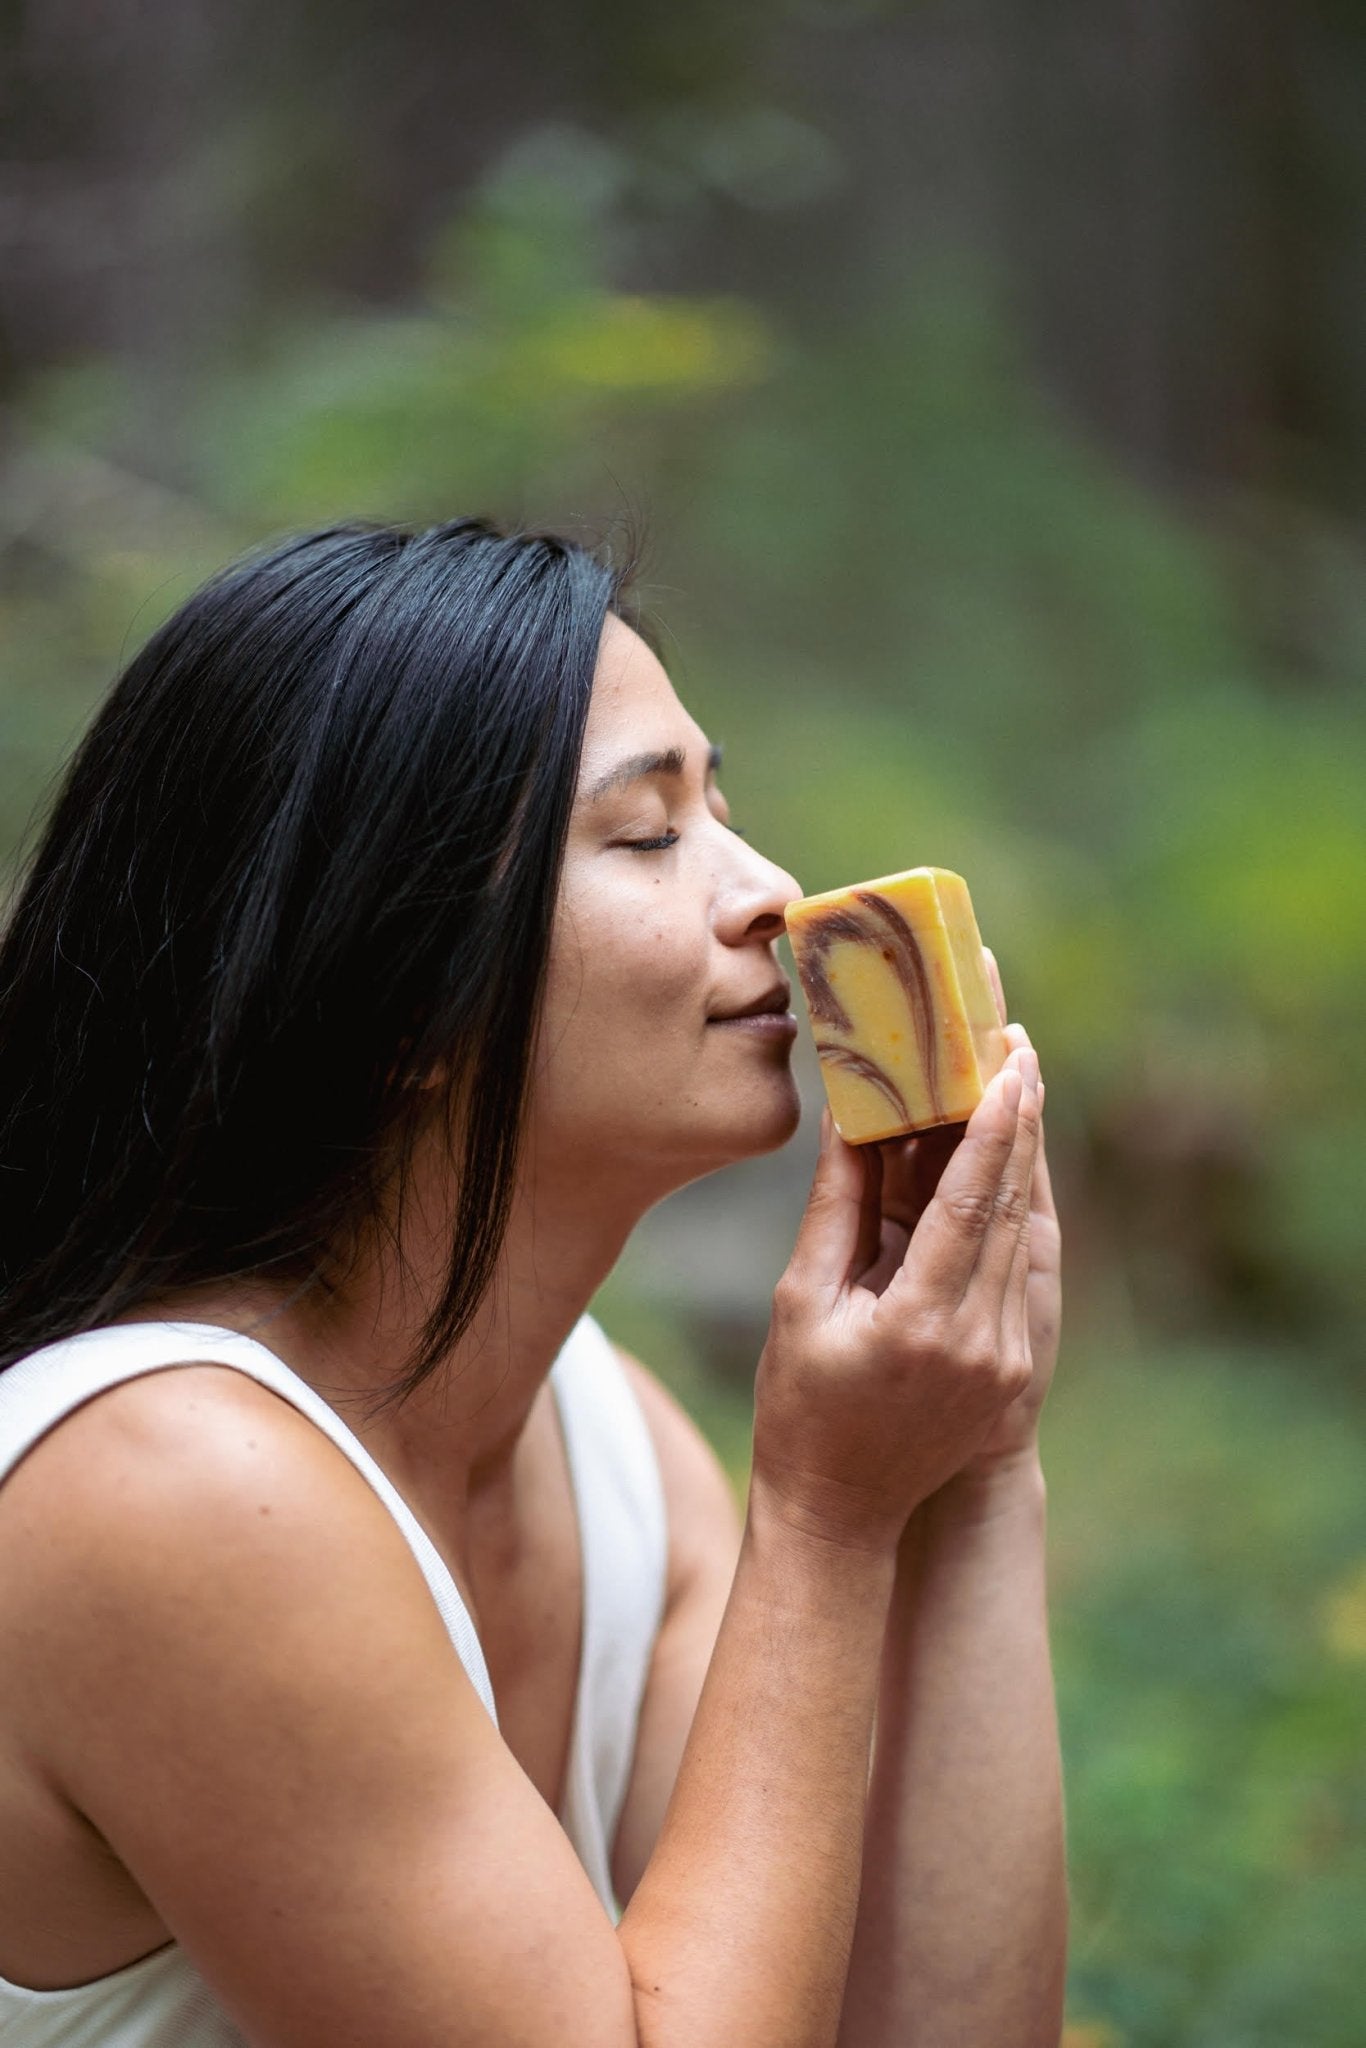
652 845
671 838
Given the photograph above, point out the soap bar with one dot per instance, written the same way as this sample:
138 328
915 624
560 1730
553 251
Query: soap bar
901 1003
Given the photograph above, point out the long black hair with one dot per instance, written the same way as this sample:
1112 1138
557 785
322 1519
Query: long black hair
306 856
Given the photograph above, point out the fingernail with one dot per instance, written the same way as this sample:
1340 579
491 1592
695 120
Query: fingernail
1029 1067
1011 1089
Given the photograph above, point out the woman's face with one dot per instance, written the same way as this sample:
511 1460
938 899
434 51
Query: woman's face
665 928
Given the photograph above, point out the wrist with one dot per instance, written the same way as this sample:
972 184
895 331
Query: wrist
977 1522
780 1524
1009 1484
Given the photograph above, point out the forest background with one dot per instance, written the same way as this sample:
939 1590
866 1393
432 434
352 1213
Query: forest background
990 383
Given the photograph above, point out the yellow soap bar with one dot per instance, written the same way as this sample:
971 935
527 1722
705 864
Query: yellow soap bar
901 1003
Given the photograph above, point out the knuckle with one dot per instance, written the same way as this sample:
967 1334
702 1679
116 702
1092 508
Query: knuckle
1016 1378
924 1336
823 1199
1010 1205
970 1209
1029 1116
791 1299
977 1354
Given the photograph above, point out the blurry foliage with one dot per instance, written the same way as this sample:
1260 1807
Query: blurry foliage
520 360
1208 1566
931 623
1212 1674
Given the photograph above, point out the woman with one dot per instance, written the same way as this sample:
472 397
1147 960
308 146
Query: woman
387 955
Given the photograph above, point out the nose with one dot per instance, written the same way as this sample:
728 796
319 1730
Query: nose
753 906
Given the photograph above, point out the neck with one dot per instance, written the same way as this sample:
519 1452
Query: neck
457 1433
464 1422
451 1446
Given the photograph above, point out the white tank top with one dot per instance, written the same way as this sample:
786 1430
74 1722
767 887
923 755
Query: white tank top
162 2002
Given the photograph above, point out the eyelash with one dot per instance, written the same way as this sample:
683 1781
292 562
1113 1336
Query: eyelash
652 845
671 838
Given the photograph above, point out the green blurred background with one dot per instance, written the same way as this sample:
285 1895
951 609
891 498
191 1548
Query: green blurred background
990 384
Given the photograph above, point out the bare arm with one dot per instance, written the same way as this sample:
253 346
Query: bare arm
963 1915
961 1927
704 1548
732 1934
230 1667
249 1695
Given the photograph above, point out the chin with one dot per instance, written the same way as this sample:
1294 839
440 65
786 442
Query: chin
763 1123
658 1157
783 1124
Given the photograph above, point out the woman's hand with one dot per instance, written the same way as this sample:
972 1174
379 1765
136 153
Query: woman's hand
1016 1433
910 1174
910 1170
883 1375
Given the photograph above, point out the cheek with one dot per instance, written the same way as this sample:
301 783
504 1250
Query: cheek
627 982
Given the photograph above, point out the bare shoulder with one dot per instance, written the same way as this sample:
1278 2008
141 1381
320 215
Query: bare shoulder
699 1498
189 1507
191 1445
232 1669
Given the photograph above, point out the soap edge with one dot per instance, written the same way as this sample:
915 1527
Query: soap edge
825 897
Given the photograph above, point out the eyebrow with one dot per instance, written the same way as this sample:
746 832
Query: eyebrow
671 762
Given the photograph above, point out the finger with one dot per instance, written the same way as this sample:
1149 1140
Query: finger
900 1193
994 974
1015 1305
869 1240
1011 1221
828 1234
1045 1231
1041 1201
891 1252
934 1149
947 1243
911 1168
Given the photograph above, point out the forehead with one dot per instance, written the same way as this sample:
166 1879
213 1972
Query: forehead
634 705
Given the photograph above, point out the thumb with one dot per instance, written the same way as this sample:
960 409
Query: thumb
828 1234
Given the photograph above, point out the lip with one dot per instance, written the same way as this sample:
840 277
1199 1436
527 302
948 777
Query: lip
772 1003
779 1025
767 1018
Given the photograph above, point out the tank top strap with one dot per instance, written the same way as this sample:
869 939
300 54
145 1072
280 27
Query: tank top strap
41 1389
623 1532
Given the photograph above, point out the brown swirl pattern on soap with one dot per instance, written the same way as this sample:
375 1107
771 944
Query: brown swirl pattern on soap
915 979
817 939
836 1055
883 927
